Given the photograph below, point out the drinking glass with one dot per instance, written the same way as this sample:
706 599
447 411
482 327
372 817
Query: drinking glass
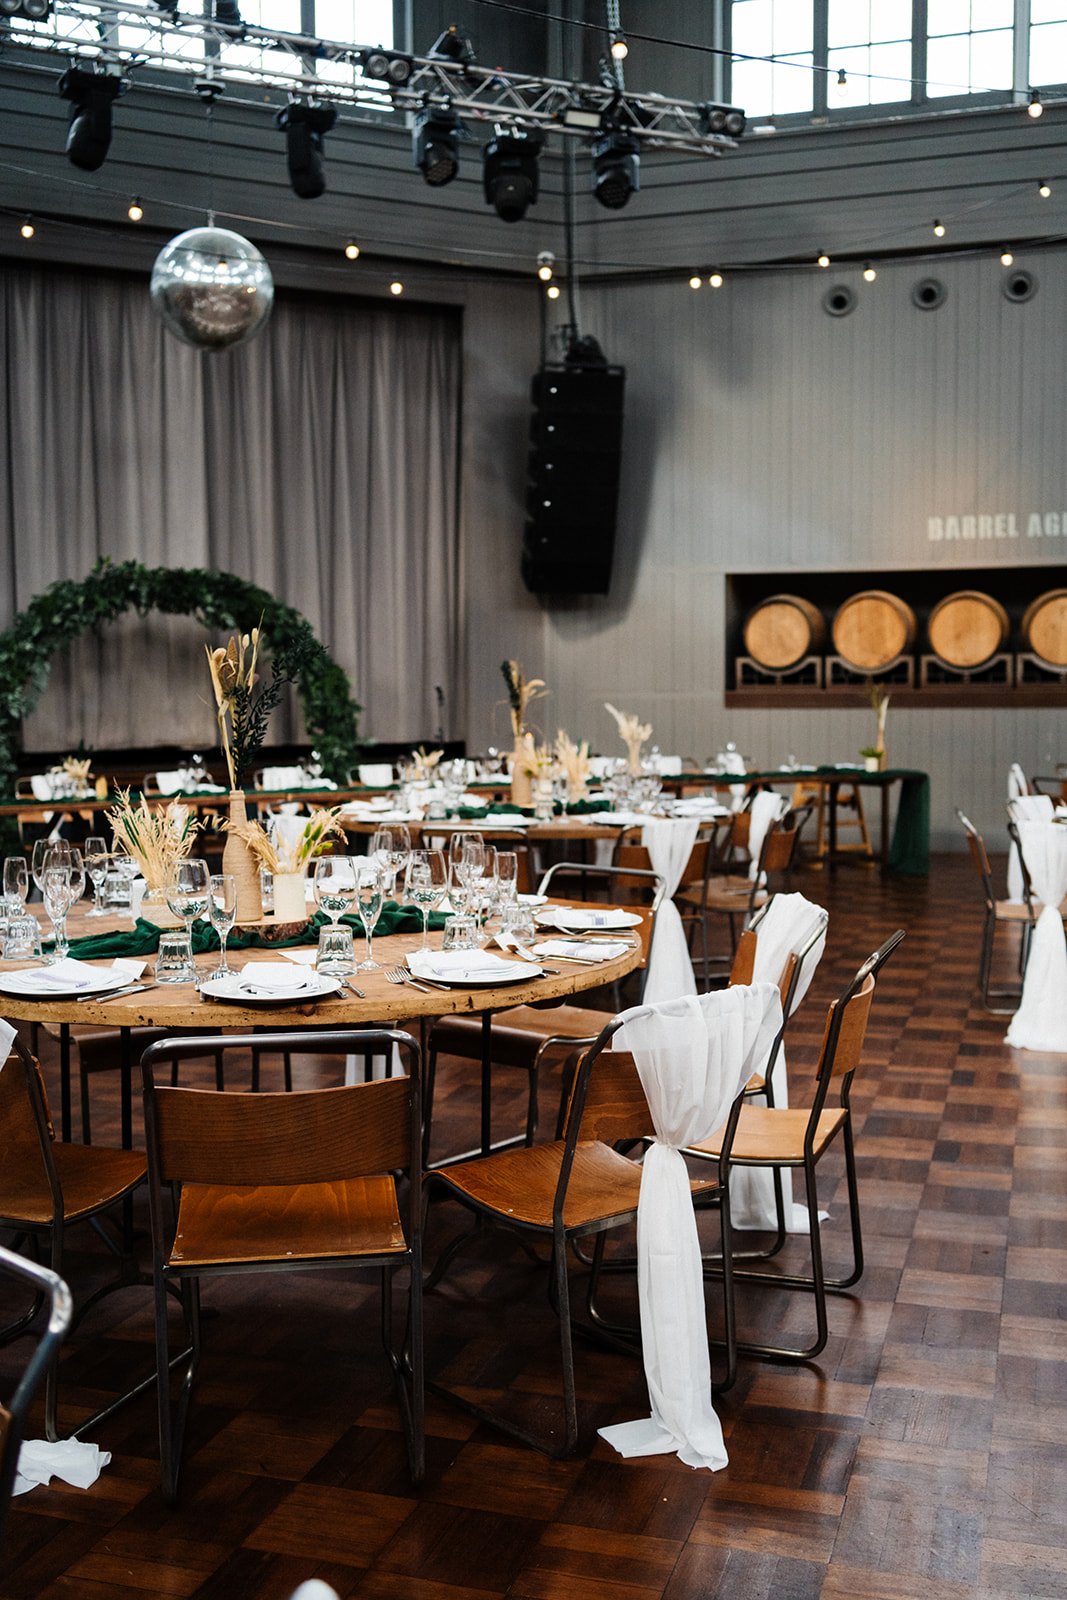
189 895
22 941
16 879
222 910
370 890
55 892
41 848
391 847
174 958
425 885
466 854
96 856
507 876
335 885
123 860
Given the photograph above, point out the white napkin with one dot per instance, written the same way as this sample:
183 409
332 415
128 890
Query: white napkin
266 978
583 950
68 974
376 774
76 1461
459 966
504 819
700 806
581 921
129 967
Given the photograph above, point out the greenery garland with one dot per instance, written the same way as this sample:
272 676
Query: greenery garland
221 601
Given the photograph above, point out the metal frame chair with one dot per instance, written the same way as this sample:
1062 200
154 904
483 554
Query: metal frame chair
769 1136
48 1289
284 1182
998 912
741 897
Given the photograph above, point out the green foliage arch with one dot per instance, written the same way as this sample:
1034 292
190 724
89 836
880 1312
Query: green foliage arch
219 600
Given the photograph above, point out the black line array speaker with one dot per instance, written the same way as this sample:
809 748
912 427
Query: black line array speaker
573 488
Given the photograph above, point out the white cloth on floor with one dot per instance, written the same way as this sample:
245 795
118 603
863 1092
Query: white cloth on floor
76 1461
693 1056
786 926
767 806
1017 785
1041 1020
669 842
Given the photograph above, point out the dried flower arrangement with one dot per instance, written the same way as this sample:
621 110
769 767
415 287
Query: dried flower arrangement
242 714
574 761
426 762
633 733
279 855
157 837
521 693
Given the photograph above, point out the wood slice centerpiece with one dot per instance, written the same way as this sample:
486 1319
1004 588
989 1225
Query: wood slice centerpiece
872 629
967 628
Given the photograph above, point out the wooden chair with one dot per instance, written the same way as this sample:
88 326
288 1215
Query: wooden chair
47 1186
526 1037
284 1182
48 1289
1002 913
772 1136
850 816
737 898
576 1187
692 885
99 1050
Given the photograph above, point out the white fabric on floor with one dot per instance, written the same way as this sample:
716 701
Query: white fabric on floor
786 926
76 1461
669 842
767 806
693 1056
1017 785
1041 1020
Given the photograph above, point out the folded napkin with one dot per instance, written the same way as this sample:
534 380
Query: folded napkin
505 819
376 774
583 950
579 921
459 966
68 974
74 1460
267 978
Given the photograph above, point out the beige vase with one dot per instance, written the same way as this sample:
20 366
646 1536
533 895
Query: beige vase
289 902
241 864
521 780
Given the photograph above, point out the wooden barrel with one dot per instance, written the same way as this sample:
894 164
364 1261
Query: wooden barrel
967 628
782 630
872 628
1044 627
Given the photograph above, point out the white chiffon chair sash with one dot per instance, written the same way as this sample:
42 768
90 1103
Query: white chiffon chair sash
767 807
669 842
1017 785
693 1057
787 925
1041 1020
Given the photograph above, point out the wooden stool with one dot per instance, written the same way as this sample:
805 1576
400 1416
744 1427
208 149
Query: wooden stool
849 815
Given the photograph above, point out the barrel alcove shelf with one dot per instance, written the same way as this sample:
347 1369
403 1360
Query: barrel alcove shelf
941 637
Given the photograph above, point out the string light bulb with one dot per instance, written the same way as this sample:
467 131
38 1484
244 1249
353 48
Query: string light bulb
1006 258
1044 188
869 273
352 250
715 281
823 260
135 210
619 48
396 287
27 230
842 81
1035 108
545 262
939 229
553 291
695 282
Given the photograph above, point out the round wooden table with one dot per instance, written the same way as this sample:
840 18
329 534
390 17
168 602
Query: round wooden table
181 1005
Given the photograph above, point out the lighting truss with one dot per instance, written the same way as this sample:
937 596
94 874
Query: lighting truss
127 38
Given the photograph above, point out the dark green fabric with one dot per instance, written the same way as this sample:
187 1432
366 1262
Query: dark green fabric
576 808
909 853
143 938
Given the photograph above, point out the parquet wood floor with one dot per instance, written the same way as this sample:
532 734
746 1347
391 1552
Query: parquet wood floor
920 1458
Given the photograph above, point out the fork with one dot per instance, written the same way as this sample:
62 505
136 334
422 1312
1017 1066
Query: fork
402 976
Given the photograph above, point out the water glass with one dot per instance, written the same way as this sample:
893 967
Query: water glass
425 885
461 933
22 941
335 885
266 888
518 920
16 879
222 911
189 894
174 961
336 954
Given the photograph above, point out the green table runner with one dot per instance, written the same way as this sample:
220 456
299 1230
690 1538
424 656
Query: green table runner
143 938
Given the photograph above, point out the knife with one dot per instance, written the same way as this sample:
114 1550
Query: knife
114 994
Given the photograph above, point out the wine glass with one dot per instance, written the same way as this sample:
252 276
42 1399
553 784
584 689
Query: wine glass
425 885
188 896
335 885
370 889
222 910
466 853
55 892
96 858
77 875
16 880
507 876
41 847
391 847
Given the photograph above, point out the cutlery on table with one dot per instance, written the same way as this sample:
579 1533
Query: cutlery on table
402 976
352 989
115 994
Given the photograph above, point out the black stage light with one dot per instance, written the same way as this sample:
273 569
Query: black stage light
388 67
454 46
304 127
616 168
510 173
716 118
91 95
32 10
228 12
435 145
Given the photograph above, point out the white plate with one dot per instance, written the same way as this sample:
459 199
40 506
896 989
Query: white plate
582 921
533 899
28 985
318 987
518 973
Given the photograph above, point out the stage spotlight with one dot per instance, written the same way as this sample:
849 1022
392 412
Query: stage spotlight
453 46
510 173
91 95
304 127
435 145
32 10
226 11
616 168
716 118
388 67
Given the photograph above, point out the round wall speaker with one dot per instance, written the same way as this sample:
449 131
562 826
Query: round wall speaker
928 294
1018 285
839 300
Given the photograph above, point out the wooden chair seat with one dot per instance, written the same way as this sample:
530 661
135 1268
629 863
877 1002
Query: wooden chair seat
90 1177
305 1222
735 900
769 1133
1009 911
519 1033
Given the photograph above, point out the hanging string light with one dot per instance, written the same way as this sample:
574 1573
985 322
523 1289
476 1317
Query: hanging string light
1044 189
1035 108
1006 258
545 263
396 287
939 229
823 260
352 250
695 282
27 230
553 291
715 281
869 273
135 210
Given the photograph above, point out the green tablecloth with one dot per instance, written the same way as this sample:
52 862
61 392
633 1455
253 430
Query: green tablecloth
143 938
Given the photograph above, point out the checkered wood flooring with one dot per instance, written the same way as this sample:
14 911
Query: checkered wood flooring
920 1458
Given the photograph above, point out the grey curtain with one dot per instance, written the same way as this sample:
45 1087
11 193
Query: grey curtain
320 461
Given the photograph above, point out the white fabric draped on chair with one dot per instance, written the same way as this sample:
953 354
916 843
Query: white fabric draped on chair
786 927
669 842
693 1056
1017 785
1041 1020
767 807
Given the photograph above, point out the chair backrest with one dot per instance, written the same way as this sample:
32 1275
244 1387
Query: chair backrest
1028 888
640 889
29 1185
846 1022
613 1104
976 845
695 870
309 1136
51 1288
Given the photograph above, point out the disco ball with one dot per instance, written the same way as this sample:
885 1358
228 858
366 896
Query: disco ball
212 288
